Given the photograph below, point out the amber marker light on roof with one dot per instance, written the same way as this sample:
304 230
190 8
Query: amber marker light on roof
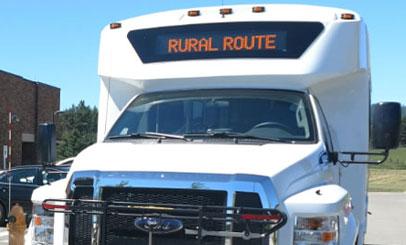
258 9
225 11
115 25
193 13
347 16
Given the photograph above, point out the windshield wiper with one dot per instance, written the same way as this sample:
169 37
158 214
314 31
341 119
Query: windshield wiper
149 135
237 136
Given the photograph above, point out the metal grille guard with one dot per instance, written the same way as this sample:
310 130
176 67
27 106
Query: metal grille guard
269 219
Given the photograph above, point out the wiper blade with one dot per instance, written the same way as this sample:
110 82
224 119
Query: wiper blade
234 135
129 136
149 135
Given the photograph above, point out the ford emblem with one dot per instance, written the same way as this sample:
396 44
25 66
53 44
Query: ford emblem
158 225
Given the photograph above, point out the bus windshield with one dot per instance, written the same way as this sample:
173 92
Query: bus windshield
273 114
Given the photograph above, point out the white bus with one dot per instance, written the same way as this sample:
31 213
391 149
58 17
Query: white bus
225 125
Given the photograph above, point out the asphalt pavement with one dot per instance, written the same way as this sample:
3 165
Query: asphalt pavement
3 236
386 222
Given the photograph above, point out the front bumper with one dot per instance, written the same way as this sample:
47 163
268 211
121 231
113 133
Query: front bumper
171 221
103 207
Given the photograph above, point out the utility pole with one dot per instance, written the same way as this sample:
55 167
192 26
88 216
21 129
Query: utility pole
9 144
12 118
16 224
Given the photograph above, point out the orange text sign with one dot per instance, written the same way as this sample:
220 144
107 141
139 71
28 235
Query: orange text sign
227 43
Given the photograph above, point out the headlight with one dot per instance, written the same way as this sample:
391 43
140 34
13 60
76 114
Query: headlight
43 226
316 230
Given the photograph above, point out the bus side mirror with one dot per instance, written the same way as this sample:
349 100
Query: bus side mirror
46 143
386 125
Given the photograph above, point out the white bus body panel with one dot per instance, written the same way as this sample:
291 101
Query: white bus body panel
323 200
336 52
334 69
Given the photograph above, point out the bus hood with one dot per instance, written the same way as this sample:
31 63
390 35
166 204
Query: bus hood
54 190
289 166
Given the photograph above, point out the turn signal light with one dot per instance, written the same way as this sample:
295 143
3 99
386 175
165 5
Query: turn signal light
193 13
258 9
328 236
49 206
260 217
225 11
347 16
316 230
37 220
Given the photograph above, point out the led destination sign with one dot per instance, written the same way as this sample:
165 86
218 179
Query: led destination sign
210 43
224 40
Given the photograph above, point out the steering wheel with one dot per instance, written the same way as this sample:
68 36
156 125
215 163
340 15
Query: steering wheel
272 125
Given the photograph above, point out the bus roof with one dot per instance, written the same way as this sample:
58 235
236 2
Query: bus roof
339 49
272 12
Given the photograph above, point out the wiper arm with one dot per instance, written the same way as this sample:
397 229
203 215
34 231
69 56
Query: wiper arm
247 136
148 135
255 137
165 136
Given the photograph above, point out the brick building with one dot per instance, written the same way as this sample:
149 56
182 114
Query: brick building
31 103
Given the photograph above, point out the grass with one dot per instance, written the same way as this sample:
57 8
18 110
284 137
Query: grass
387 180
396 160
391 175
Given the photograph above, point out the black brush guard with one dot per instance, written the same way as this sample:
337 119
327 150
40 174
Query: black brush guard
153 218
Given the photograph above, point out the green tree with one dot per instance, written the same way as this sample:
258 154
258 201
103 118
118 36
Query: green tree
76 129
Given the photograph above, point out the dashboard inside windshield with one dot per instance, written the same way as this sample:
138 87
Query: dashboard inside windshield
274 114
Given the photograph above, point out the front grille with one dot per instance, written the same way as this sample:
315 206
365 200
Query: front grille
80 225
165 196
122 229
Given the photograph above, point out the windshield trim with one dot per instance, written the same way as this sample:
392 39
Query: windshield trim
306 96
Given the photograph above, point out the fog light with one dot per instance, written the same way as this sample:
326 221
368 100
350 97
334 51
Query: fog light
43 226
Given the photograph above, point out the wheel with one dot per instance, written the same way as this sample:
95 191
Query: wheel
3 215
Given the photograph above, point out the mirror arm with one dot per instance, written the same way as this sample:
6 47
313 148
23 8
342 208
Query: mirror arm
334 157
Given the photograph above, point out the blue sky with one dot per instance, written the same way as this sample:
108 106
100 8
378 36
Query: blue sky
56 42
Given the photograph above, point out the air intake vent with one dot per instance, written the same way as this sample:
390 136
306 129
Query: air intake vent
80 225
83 182
249 200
